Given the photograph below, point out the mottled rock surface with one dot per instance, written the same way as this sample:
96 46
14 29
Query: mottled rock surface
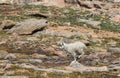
29 26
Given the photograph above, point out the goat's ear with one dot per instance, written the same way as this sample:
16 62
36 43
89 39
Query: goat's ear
62 43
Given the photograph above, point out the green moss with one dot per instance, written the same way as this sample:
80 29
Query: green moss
110 26
107 40
26 6
3 33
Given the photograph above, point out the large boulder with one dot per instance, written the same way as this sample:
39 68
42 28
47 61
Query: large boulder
29 26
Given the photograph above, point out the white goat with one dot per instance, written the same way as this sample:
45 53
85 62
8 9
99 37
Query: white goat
74 48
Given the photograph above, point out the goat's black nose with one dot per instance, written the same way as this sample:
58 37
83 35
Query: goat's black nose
87 44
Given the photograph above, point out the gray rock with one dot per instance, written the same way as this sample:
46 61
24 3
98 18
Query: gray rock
3 54
113 67
35 60
31 60
11 56
64 34
29 26
54 33
114 50
103 53
24 65
94 24
76 64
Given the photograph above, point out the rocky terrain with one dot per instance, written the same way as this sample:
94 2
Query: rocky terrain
31 36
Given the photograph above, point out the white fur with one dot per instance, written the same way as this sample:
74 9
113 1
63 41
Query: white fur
72 48
11 1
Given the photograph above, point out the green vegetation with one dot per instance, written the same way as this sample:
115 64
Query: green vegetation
107 40
60 16
110 26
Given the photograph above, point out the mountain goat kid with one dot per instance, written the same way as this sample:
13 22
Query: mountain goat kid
74 48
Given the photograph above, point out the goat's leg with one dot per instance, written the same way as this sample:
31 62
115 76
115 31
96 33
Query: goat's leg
82 53
75 58
74 55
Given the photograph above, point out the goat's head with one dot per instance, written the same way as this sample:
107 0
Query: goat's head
62 45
